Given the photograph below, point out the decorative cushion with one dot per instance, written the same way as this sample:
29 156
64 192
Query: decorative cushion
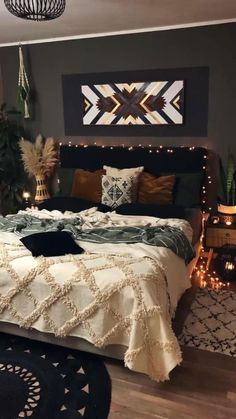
69 203
53 243
119 190
113 171
188 189
87 185
153 210
153 190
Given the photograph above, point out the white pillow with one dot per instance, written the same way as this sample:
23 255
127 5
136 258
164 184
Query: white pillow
113 171
119 190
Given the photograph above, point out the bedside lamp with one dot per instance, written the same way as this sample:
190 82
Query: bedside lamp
227 214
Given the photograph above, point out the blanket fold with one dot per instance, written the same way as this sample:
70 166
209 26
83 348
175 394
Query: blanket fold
162 236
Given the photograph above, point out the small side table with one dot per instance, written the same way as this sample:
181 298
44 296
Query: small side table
216 236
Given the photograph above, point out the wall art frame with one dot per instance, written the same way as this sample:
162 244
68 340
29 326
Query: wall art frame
82 99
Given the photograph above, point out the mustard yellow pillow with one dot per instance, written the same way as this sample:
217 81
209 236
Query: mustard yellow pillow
88 185
155 190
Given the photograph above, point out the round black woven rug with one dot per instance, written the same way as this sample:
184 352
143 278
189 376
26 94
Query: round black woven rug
42 381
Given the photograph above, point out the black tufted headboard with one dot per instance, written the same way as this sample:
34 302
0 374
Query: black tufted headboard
155 160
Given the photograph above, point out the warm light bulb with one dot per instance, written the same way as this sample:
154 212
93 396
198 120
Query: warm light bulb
229 266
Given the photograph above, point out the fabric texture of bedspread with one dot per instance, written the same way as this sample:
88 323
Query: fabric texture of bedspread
124 294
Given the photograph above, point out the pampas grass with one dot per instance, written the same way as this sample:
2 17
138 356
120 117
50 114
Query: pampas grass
39 158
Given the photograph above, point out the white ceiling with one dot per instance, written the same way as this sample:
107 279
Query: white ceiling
84 18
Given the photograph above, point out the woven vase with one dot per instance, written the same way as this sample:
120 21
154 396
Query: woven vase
41 189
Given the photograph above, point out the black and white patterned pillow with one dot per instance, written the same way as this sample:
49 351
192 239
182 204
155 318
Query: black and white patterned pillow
119 190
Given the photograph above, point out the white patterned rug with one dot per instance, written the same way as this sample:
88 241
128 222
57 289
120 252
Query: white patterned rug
211 323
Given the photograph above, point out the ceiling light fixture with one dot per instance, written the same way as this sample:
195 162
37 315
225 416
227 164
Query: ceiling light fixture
39 10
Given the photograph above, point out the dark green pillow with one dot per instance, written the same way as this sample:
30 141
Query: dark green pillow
187 191
65 176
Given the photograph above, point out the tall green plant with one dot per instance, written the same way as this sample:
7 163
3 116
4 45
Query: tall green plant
228 181
11 168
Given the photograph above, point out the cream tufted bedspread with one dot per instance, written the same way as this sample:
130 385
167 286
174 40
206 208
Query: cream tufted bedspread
123 294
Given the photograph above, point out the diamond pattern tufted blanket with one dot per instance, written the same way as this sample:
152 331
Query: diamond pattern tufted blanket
125 296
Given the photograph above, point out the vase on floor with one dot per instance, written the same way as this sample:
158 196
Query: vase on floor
41 189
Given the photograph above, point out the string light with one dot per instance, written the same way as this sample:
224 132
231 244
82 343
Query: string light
168 150
206 279
202 274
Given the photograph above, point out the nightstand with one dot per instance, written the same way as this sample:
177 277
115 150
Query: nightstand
216 236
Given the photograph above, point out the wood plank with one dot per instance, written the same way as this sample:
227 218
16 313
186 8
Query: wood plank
202 387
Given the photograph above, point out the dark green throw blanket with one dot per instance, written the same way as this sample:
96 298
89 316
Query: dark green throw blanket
162 236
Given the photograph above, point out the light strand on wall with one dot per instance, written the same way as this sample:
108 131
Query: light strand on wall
129 147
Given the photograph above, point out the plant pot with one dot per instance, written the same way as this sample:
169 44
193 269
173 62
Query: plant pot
41 189
227 209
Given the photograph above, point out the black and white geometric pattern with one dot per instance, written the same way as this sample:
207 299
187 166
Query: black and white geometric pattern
29 384
211 324
44 381
119 190
142 103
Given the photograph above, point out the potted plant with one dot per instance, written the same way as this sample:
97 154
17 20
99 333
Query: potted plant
11 168
228 184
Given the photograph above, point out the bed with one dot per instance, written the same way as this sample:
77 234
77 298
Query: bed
115 300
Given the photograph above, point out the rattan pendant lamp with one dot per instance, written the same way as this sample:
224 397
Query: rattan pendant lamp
39 10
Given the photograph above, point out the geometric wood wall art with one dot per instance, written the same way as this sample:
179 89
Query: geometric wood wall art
135 103
157 103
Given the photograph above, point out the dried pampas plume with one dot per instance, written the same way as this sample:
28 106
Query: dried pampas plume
39 158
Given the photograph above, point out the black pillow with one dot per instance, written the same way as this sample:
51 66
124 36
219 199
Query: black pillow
68 203
53 243
161 211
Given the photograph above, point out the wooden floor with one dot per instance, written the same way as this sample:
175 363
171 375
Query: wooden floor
203 387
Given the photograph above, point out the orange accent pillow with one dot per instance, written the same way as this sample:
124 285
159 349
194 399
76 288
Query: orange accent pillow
155 190
88 185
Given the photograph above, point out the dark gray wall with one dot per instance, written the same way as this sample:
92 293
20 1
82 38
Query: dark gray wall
212 46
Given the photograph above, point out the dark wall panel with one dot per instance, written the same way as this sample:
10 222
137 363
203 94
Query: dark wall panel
195 123
212 47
